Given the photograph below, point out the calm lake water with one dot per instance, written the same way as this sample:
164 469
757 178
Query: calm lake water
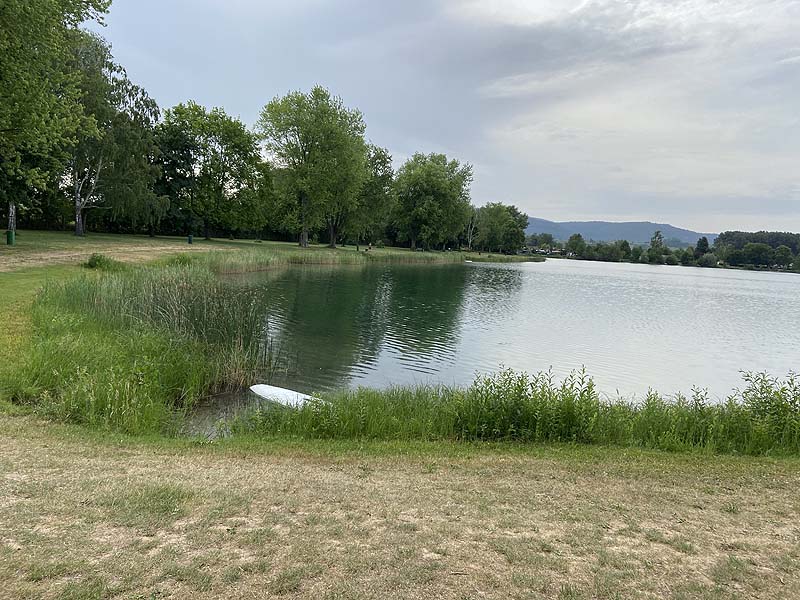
633 327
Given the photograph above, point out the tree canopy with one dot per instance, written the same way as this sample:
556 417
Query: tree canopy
433 199
318 143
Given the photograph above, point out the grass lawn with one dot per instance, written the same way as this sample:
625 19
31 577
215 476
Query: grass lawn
86 515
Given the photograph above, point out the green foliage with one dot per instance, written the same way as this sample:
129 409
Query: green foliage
500 228
758 254
211 170
318 145
762 419
129 350
783 256
701 248
707 260
40 109
376 201
655 253
432 199
576 245
546 241
738 239
102 262
111 162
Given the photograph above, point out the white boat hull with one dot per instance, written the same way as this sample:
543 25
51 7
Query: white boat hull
280 395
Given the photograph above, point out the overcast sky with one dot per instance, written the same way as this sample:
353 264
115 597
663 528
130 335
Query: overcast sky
680 111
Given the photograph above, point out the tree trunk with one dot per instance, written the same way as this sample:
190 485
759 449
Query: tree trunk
205 229
151 230
413 242
79 225
332 234
304 237
12 216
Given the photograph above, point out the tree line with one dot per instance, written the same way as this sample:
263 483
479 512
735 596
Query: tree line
760 250
81 141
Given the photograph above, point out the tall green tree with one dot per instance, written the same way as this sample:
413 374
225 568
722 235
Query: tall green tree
433 196
655 253
501 227
210 167
758 254
110 164
40 108
546 241
318 144
575 245
702 247
783 256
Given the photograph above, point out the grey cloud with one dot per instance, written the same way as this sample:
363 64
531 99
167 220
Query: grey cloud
647 109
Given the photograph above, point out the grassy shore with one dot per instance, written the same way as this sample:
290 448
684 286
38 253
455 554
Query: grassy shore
88 515
42 248
133 348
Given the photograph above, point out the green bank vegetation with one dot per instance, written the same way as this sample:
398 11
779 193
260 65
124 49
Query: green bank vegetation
762 418
132 348
764 250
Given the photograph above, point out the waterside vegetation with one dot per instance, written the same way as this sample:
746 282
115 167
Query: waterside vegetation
132 348
763 250
762 418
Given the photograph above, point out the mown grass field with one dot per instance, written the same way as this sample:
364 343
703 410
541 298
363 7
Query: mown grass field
87 515
92 514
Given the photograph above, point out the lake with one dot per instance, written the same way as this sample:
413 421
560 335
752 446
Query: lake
633 327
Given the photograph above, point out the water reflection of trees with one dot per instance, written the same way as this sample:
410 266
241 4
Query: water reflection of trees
327 322
425 308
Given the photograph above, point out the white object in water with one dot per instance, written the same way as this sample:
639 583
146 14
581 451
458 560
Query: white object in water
280 395
469 261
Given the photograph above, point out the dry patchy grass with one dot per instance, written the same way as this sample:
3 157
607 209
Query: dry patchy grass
89 517
40 248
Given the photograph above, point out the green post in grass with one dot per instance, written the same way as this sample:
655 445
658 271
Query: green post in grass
11 237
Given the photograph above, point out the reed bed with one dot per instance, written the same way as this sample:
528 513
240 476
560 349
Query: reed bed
762 418
133 350
261 259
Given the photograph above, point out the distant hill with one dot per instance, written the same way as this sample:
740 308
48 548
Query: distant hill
636 232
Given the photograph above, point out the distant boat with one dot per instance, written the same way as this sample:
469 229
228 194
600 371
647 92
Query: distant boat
280 395
467 261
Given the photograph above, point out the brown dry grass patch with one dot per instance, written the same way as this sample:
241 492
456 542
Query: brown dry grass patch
89 517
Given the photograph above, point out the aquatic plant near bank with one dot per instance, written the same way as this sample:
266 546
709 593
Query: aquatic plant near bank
763 418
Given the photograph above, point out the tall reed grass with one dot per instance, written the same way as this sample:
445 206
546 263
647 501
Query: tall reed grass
763 418
260 259
132 350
